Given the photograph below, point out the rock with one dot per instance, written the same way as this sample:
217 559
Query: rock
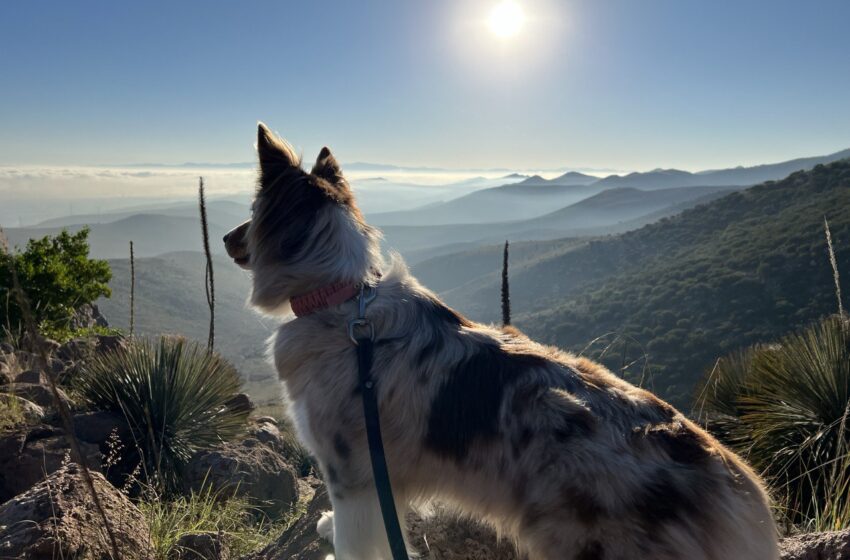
6 348
250 468
39 394
268 434
33 377
22 360
201 546
300 541
109 342
88 316
76 349
5 373
240 402
28 456
97 426
50 345
817 546
30 412
57 519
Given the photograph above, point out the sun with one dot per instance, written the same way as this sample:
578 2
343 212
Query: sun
506 19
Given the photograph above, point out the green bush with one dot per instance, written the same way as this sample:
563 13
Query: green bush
786 407
175 396
57 276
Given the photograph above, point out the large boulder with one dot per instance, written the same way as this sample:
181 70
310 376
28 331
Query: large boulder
28 412
817 546
38 394
88 316
31 376
57 519
99 426
27 457
253 467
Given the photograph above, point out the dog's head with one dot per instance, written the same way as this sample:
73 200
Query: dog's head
305 230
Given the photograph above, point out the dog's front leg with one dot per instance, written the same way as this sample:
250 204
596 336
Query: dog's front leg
357 526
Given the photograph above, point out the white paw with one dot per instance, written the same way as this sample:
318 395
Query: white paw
325 526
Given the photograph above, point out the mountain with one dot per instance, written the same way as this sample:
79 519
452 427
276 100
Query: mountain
656 179
219 211
741 176
535 196
517 201
611 211
534 180
574 178
744 268
152 234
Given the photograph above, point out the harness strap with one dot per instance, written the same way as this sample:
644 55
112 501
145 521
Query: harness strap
365 348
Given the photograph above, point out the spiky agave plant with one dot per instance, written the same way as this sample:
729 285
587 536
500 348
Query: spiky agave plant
792 403
176 399
717 400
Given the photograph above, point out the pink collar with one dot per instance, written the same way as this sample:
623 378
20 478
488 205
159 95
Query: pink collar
324 297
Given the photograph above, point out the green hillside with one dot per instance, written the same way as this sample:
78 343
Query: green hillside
748 267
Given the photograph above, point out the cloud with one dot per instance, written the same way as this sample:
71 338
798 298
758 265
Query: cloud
97 182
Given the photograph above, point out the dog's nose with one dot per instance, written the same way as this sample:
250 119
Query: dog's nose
226 235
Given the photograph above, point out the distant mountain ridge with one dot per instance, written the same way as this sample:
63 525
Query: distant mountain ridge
685 290
502 204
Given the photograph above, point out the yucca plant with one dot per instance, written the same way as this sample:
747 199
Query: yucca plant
791 409
175 396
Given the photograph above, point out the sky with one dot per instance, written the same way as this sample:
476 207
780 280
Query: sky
614 84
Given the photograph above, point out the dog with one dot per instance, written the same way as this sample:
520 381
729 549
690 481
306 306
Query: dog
550 448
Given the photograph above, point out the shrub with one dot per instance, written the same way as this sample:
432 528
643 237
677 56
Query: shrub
175 397
57 276
788 411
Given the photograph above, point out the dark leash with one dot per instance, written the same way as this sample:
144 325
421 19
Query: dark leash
362 334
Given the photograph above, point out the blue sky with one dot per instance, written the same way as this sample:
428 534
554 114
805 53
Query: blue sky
623 84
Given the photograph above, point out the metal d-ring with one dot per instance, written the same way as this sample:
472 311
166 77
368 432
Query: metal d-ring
354 323
367 296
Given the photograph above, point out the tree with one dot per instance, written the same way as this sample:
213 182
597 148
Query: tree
57 277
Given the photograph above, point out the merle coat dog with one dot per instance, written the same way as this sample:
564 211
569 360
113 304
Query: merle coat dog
550 448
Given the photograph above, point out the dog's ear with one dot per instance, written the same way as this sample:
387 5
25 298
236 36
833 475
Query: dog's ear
274 152
327 167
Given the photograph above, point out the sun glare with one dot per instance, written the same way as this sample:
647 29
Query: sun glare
506 19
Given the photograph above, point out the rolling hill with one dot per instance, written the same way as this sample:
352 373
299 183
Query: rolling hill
607 212
170 299
747 267
517 201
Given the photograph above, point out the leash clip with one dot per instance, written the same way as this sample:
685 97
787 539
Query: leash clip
367 296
